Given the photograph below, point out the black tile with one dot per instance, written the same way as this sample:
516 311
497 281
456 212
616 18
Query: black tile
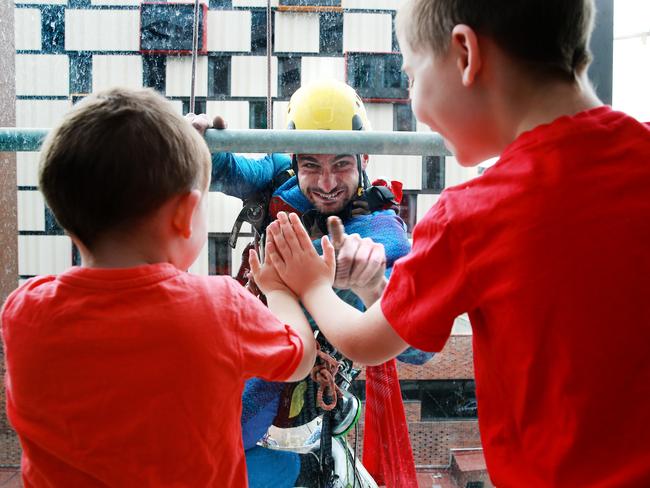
403 118
377 75
81 76
331 33
219 76
288 75
433 173
257 114
154 73
53 29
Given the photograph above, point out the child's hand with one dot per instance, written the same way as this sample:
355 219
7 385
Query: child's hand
265 275
294 257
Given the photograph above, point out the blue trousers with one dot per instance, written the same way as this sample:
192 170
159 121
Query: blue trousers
268 468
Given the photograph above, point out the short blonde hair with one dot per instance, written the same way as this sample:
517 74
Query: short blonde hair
551 36
117 156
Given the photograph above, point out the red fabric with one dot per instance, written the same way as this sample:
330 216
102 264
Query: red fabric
387 451
134 377
393 185
548 251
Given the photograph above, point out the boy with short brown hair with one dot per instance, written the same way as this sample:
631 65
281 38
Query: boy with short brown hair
128 371
547 251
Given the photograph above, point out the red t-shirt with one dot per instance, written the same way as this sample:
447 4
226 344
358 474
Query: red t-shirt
134 377
549 253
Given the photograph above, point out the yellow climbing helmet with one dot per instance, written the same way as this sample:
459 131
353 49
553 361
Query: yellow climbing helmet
326 105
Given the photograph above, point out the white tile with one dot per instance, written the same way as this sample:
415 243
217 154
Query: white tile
27 28
115 2
631 77
367 32
314 68
421 127
178 106
297 32
380 115
27 168
202 264
455 174
253 3
407 169
280 114
179 76
372 4
110 71
248 76
38 255
31 211
234 112
40 113
229 30
43 2
102 30
631 17
42 74
425 202
222 213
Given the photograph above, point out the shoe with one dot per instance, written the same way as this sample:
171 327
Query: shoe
346 414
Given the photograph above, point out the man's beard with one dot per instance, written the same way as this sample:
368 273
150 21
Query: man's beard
321 203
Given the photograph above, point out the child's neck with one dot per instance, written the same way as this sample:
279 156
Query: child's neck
545 103
122 253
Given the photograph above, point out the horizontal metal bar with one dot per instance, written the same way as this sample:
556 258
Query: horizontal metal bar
281 141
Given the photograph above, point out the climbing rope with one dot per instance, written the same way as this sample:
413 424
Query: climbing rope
323 373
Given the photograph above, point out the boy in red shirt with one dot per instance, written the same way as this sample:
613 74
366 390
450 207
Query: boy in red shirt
547 251
128 371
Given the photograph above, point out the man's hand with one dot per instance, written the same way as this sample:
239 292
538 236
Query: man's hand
294 257
360 263
202 122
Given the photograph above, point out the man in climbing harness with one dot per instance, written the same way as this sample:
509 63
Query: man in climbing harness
316 186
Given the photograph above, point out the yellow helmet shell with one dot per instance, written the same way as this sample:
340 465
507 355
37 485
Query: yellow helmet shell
326 105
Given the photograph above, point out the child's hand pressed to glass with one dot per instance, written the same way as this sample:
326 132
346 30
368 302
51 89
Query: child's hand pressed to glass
291 252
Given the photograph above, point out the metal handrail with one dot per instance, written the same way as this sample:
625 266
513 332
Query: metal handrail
281 141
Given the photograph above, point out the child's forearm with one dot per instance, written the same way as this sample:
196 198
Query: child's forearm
366 338
287 308
371 295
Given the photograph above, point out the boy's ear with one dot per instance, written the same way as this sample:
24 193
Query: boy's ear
184 209
464 43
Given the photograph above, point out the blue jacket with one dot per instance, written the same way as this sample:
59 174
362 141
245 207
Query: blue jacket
240 176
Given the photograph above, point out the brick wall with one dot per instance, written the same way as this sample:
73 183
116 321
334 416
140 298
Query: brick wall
432 440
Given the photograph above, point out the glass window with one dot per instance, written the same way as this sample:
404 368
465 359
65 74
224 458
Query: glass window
168 27
53 29
257 114
377 75
219 76
219 255
154 71
433 173
311 3
403 118
258 31
288 75
448 399
81 78
331 33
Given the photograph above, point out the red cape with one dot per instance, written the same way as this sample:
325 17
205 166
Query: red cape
387 453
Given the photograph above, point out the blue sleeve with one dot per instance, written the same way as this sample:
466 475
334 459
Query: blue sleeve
260 402
240 176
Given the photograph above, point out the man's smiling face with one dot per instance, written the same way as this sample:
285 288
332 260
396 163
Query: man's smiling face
329 181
